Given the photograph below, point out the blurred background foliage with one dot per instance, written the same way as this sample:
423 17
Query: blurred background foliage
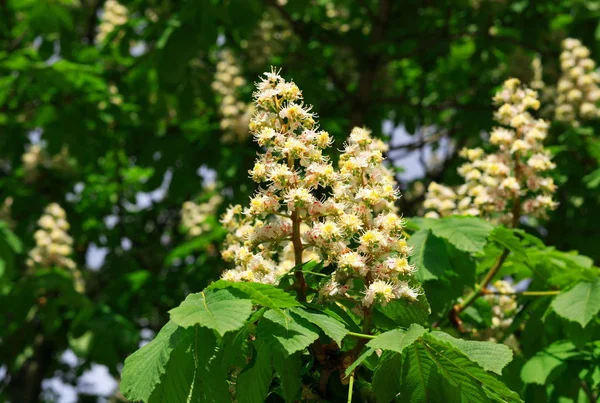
112 111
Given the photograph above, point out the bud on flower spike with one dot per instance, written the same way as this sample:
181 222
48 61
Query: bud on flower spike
354 228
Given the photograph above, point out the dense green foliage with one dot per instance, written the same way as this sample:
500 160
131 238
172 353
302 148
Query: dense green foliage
127 121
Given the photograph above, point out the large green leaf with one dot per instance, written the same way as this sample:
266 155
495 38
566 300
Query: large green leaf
210 376
288 371
580 304
397 340
176 384
435 370
144 368
507 238
332 328
287 332
387 376
491 356
429 255
403 313
261 294
218 310
550 361
468 234
253 383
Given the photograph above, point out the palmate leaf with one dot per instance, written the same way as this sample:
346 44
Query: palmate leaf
144 368
434 369
178 366
261 294
176 384
580 304
468 234
219 310
330 326
550 361
387 376
397 340
210 375
288 371
288 333
491 356
402 313
253 383
429 256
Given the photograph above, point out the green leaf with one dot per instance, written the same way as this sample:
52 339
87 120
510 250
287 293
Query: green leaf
288 370
434 370
260 294
491 356
366 354
144 368
468 234
386 378
507 238
397 340
592 180
175 385
210 378
220 310
332 328
404 313
10 238
580 304
286 332
550 361
253 383
429 255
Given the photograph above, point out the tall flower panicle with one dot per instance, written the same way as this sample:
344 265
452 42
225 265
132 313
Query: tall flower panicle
578 92
195 217
308 210
235 114
271 37
513 179
54 245
36 158
114 15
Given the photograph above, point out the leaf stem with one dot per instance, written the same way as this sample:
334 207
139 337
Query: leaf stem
362 336
526 293
350 387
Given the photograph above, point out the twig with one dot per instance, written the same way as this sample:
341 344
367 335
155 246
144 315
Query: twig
525 293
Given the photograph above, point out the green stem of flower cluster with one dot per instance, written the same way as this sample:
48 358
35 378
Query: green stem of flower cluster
350 388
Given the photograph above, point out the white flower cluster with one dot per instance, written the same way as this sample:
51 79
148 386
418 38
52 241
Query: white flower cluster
503 185
504 308
235 114
36 158
114 15
578 92
54 246
271 37
195 217
339 18
351 225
